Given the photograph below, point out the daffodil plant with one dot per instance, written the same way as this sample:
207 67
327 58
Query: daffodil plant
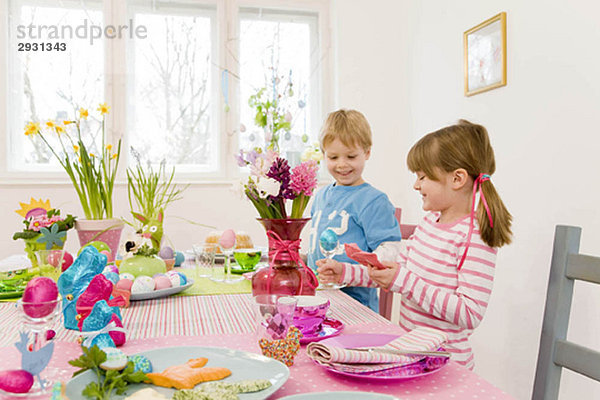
93 175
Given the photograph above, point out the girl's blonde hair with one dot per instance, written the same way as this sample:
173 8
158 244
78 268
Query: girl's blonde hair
465 145
349 126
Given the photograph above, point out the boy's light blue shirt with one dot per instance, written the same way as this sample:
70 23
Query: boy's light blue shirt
358 214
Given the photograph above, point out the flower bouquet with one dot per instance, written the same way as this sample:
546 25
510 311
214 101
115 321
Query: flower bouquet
92 172
271 183
45 228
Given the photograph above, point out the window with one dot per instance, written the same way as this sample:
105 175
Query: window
179 92
50 85
278 55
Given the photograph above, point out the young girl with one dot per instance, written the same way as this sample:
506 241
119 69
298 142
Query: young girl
445 270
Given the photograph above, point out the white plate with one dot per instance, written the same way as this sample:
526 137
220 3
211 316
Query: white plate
243 365
340 396
161 293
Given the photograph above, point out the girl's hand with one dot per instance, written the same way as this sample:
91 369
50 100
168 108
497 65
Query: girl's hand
384 277
330 271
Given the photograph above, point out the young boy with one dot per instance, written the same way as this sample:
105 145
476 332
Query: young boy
353 209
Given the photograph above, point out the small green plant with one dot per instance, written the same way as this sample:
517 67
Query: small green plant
152 190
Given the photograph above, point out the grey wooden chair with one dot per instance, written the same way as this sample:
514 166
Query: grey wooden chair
555 351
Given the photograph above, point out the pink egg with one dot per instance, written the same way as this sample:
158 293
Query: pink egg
67 261
124 284
227 239
107 254
16 381
162 282
40 295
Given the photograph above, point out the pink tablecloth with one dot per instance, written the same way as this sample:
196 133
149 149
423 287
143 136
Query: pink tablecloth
225 321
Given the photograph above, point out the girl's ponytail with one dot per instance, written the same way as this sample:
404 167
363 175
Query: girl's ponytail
500 234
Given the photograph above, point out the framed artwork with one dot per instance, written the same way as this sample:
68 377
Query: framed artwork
485 55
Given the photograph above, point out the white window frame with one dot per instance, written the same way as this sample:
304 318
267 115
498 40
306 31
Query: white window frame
116 87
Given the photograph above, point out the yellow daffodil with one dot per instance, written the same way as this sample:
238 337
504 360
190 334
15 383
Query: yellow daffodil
32 128
109 147
50 124
83 113
59 129
79 158
103 108
75 148
92 155
67 122
114 156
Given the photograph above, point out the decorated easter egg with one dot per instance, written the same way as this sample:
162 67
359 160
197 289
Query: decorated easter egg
107 253
162 282
16 381
176 278
115 359
38 297
142 284
328 240
227 239
50 333
166 253
126 275
124 284
143 265
179 258
67 261
110 268
111 276
98 245
141 363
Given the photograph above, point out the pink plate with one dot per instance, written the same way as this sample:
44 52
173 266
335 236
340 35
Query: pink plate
427 366
331 327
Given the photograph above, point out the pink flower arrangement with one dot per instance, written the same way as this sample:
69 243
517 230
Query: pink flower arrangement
272 182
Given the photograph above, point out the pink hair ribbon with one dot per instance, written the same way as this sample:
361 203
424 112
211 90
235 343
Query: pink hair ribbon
291 248
476 186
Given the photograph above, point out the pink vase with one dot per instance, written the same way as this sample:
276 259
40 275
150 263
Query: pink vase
102 230
284 275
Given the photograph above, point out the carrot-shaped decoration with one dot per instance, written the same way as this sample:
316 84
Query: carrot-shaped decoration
188 375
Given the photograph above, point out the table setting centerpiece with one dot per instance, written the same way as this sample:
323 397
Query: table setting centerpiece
271 183
91 169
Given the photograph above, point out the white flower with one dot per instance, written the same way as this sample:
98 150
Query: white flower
267 187
312 153
239 190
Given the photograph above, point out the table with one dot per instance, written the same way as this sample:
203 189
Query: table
226 321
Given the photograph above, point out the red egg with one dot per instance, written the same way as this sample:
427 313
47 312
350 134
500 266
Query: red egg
40 295
67 261
16 381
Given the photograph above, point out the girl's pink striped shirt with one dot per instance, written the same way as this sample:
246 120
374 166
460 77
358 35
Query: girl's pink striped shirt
434 292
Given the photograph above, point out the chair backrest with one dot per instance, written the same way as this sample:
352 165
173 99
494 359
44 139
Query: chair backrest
386 299
555 351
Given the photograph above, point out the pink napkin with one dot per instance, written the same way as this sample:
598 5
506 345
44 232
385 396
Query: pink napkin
422 338
363 257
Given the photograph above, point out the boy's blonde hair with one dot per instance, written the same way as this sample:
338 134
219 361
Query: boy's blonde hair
465 145
349 126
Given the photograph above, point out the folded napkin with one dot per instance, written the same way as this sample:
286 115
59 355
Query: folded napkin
363 257
419 339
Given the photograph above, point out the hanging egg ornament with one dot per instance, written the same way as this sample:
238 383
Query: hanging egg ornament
252 137
287 135
242 128
304 138
301 103
288 116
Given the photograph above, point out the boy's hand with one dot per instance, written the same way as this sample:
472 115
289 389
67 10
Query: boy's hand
330 271
384 277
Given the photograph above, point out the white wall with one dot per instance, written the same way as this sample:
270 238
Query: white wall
402 64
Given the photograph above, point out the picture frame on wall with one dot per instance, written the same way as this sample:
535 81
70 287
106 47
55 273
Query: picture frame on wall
485 55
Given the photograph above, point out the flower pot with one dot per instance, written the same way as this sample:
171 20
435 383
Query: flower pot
285 274
103 230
